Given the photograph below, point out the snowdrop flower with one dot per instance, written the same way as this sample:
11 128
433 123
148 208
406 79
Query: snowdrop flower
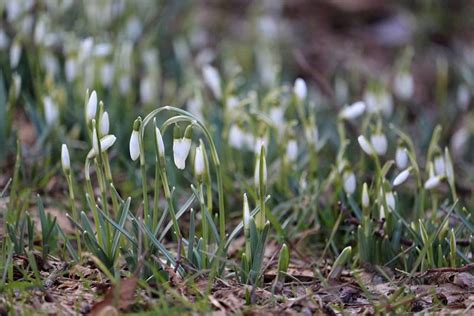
402 177
403 85
91 107
380 101
257 167
134 145
292 150
199 165
401 157
232 102
439 165
449 169
4 40
105 143
459 141
349 182
277 115
95 139
213 80
300 89
181 147
463 97
236 137
16 84
51 112
390 200
104 124
246 213
15 54
379 143
147 89
259 142
159 142
352 111
433 182
365 145
365 196
65 161
107 74
70 68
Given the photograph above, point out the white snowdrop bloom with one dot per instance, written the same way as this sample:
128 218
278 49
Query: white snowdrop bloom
246 211
463 97
107 74
104 124
236 137
352 111
390 200
371 101
134 145
349 182
365 145
4 40
365 196
70 68
85 49
300 89
16 84
91 107
65 161
95 139
181 148
401 177
449 168
199 165
379 143
40 31
50 63
159 142
51 112
382 212
380 101
439 165
292 150
257 170
433 182
124 83
15 54
232 102
249 140
213 80
386 103
401 157
147 89
459 141
105 143
259 142
403 85
102 49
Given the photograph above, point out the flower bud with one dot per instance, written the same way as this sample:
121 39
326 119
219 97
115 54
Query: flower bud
379 143
352 111
246 213
365 145
104 124
401 157
390 200
403 85
65 161
213 80
134 145
402 177
105 143
433 182
349 182
300 89
260 161
91 107
365 196
199 163
95 139
159 142
449 167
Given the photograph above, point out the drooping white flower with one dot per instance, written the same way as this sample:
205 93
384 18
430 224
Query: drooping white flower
70 68
433 182
104 124
65 161
199 165
213 80
390 199
401 177
134 145
365 145
15 54
91 107
439 165
349 182
300 89
51 112
403 85
236 137
105 143
380 101
365 196
181 148
352 111
159 142
292 150
379 143
401 157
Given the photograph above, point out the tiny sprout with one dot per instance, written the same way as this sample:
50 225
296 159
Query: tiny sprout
379 143
105 143
352 111
349 182
402 177
365 145
65 161
91 107
401 157
300 89
365 196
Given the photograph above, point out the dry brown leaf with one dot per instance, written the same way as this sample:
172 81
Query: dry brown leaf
119 297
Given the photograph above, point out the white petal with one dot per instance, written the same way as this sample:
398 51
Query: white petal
51 112
365 145
134 145
104 124
213 80
403 85
292 150
401 177
236 137
246 212
105 143
353 111
390 199
432 182
91 108
349 182
199 166
181 149
159 142
401 158
439 165
65 161
365 196
379 143
300 89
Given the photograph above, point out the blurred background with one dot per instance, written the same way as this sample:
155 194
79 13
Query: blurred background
415 57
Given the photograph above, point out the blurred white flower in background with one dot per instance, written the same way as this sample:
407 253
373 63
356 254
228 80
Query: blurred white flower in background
51 112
